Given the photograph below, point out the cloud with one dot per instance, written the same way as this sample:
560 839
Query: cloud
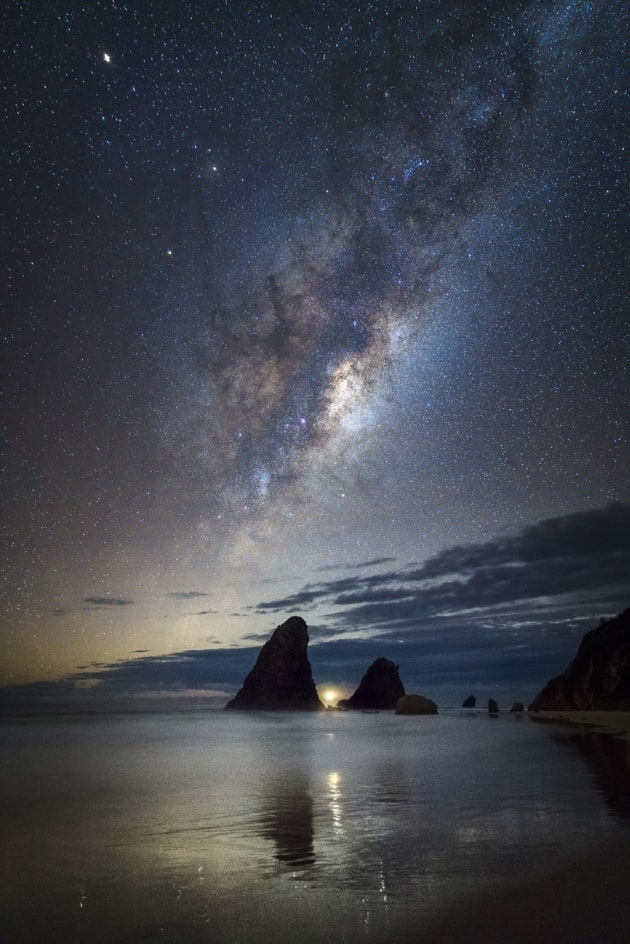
310 595
571 564
185 594
361 566
106 601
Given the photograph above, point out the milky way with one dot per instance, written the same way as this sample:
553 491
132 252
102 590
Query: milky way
416 125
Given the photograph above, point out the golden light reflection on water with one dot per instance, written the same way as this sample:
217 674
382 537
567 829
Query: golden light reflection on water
334 803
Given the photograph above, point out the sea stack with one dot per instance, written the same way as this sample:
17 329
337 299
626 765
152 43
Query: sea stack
598 679
281 679
379 689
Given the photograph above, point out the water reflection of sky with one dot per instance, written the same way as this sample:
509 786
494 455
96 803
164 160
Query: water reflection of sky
229 825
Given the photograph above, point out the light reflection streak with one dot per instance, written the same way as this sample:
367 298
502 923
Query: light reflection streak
334 803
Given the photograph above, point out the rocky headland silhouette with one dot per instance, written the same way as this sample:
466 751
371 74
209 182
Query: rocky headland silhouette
598 678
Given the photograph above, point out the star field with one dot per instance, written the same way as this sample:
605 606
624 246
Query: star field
290 289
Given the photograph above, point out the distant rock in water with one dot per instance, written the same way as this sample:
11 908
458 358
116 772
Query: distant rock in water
517 707
493 708
415 705
281 679
379 689
469 702
598 678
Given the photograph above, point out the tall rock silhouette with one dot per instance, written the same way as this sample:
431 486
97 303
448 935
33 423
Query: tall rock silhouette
281 679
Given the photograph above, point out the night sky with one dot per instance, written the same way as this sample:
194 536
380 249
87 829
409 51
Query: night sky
311 308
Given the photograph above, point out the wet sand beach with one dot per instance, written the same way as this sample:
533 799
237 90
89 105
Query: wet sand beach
616 722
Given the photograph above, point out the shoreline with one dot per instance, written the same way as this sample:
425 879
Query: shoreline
613 722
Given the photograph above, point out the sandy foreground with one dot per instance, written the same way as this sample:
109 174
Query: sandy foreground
614 721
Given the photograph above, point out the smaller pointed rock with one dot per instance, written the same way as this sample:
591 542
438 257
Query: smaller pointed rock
469 702
379 689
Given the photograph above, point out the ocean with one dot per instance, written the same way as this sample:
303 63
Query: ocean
332 827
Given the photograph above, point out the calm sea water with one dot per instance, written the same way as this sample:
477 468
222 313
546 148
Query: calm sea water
321 828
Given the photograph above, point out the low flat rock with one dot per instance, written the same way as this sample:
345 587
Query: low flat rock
416 705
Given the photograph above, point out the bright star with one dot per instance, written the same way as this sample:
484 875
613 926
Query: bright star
107 57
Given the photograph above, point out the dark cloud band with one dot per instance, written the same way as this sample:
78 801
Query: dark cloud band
106 601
